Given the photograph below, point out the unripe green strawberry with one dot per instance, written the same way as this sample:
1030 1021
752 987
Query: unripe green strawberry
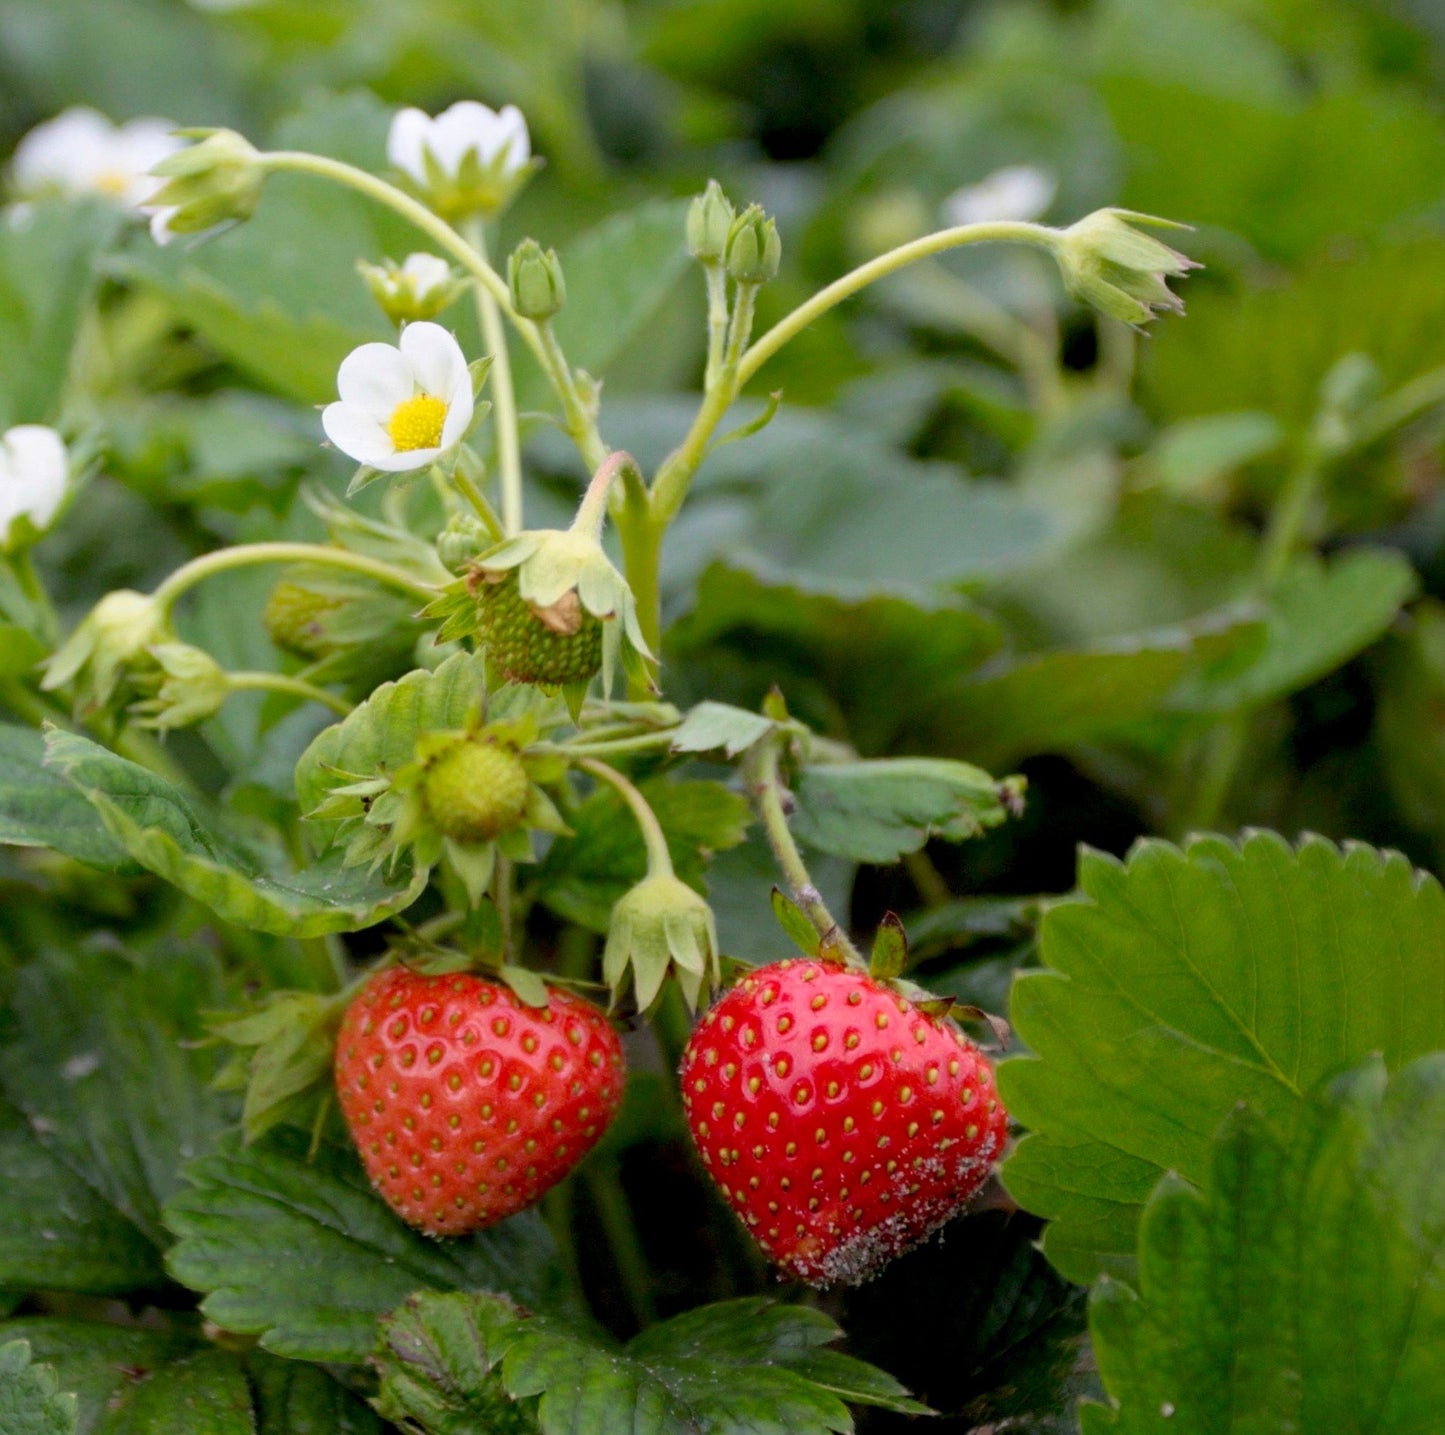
842 1121
293 619
558 648
475 790
465 1104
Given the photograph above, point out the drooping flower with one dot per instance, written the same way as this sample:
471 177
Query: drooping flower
468 160
204 186
34 475
1109 262
401 405
81 152
1017 191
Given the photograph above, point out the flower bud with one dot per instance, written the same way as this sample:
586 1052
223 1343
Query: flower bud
534 276
208 183
418 288
709 218
34 476
754 250
112 641
1109 263
662 925
186 687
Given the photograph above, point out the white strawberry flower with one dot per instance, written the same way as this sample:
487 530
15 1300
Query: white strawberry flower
402 405
1016 192
81 152
468 160
34 476
420 287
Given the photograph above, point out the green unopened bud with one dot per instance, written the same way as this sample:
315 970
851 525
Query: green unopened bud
112 641
186 686
534 276
662 925
754 250
418 288
1109 263
709 218
208 183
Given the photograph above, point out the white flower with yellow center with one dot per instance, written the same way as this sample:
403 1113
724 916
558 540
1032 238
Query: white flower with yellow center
81 152
402 406
468 160
1016 192
34 475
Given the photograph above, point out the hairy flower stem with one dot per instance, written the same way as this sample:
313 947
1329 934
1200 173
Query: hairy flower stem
504 395
762 772
659 859
209 564
292 686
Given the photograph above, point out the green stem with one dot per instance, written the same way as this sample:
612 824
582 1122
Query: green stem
592 512
504 891
504 395
611 747
292 686
1286 522
223 559
763 774
717 321
659 859
579 422
615 1216
464 484
30 585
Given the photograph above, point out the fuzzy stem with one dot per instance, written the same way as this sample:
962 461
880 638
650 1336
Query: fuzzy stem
509 442
223 559
293 686
717 320
763 775
659 859
592 512
579 423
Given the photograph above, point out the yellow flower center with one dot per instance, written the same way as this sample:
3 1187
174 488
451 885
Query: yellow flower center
417 423
114 182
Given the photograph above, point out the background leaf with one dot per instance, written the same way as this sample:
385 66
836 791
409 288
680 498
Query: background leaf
30 1403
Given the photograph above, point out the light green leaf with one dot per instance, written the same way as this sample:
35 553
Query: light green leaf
21 652
1300 1289
584 876
180 839
743 1367
795 924
876 811
304 1254
718 727
31 1402
1184 982
39 808
1192 458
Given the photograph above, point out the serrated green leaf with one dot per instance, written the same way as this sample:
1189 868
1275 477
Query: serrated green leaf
97 1049
743 1367
717 727
304 1254
875 811
584 876
31 1402
792 920
1183 982
39 808
179 838
1300 1288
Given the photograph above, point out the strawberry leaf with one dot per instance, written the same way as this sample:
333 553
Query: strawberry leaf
718 727
890 949
791 919
31 1402
1184 982
1299 1289
743 1367
191 845
304 1254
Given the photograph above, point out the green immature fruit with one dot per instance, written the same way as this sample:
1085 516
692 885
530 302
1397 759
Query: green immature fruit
294 620
550 648
475 791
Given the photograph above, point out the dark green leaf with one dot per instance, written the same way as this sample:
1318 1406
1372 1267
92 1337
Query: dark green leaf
1300 1289
30 1400
876 811
305 1255
207 1392
40 809
1182 983
181 839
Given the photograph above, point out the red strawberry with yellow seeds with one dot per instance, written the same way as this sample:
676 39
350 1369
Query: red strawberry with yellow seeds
842 1122
466 1104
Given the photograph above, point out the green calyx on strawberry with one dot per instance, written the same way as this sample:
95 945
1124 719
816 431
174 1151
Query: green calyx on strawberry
464 798
842 1121
465 1103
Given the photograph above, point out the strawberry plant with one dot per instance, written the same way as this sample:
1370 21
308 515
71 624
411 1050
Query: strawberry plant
678 758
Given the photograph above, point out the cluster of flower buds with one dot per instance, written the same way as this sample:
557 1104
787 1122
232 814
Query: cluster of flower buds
745 245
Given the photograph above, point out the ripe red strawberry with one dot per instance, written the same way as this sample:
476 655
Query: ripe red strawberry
466 1104
842 1123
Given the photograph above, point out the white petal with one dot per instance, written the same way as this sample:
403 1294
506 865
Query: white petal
513 127
435 358
409 135
39 472
67 151
426 272
357 434
1016 192
161 230
376 378
467 125
405 460
459 414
